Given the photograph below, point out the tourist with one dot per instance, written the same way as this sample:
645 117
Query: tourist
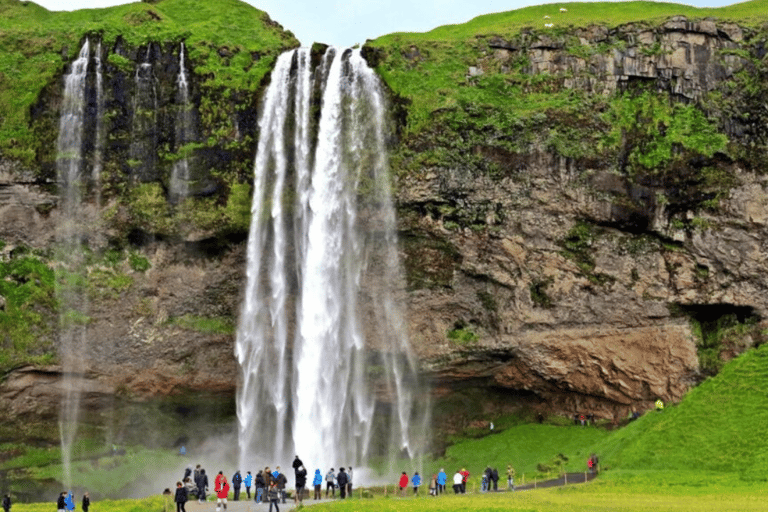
70 501
237 481
197 472
273 495
267 478
457 478
247 481
403 482
201 480
222 491
487 478
282 482
297 464
330 479
495 479
442 478
86 502
433 485
464 478
484 482
416 481
261 484
61 503
349 481
7 502
187 472
301 482
341 480
318 483
190 486
510 477
180 498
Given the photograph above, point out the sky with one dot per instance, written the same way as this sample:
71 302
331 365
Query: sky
348 22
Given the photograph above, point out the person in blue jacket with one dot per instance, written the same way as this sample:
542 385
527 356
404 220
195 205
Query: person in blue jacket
237 481
416 481
441 479
247 481
318 483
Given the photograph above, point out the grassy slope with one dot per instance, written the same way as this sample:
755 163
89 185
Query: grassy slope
32 39
436 80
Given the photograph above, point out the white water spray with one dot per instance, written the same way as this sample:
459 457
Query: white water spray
321 323
179 187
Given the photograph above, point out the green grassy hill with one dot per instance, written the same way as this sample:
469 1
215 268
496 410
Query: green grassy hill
35 46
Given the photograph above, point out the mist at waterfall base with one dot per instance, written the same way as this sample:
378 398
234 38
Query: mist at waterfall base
326 368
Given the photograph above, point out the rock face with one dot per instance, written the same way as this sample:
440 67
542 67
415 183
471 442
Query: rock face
559 279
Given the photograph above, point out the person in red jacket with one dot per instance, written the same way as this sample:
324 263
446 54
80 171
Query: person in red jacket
464 478
222 490
403 482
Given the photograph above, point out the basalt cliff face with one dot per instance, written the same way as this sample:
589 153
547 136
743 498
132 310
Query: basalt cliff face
550 264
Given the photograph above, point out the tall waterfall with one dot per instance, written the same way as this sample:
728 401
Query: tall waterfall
179 188
324 355
71 232
144 132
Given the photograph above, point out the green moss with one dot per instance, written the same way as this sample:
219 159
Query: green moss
462 336
207 325
538 291
138 263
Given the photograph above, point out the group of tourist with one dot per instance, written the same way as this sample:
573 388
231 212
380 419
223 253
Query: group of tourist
269 485
438 481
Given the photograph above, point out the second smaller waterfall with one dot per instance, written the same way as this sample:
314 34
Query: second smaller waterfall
180 176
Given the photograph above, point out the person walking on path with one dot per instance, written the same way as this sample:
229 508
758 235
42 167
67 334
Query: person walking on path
486 481
464 478
86 502
282 482
330 483
301 482
510 478
180 498
273 495
222 491
341 479
261 484
237 481
457 478
495 479
349 481
318 484
403 482
416 481
247 481
442 478
7 502
433 485
201 480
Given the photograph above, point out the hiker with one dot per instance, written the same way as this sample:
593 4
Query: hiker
342 480
187 473
7 502
70 501
273 495
180 498
247 481
433 485
189 485
282 482
61 504
318 483
222 491
486 481
349 481
301 482
510 477
457 478
197 472
267 479
237 481
403 482
495 479
464 478
416 481
261 484
442 478
201 480
297 464
86 502
330 478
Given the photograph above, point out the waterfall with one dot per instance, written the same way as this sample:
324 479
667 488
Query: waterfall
321 327
179 188
143 153
71 232
98 152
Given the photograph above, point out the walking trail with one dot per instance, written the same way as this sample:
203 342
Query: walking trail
250 506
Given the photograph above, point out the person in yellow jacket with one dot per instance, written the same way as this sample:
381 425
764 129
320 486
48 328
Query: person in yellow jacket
510 478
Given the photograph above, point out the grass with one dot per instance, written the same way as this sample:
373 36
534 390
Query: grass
150 504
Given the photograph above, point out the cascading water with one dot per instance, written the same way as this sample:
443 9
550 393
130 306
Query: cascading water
179 188
71 231
98 152
144 132
321 326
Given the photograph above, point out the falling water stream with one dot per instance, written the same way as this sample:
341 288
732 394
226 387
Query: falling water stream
321 340
184 133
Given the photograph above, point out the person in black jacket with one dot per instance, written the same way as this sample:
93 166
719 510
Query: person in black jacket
202 485
86 502
495 479
297 464
301 482
237 480
7 503
341 479
282 482
260 484
61 504
181 497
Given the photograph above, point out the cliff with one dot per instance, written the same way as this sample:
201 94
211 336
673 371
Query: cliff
582 207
